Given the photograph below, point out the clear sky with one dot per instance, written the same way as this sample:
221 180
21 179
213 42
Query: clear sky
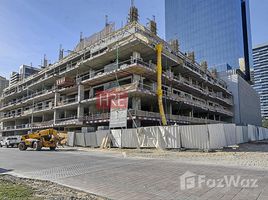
31 28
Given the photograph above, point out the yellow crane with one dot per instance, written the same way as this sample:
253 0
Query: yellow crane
159 48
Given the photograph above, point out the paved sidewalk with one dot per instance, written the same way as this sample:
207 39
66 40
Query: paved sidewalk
117 177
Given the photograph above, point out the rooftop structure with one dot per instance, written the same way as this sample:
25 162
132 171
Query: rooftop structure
64 95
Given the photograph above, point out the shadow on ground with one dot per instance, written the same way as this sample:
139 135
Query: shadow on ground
57 150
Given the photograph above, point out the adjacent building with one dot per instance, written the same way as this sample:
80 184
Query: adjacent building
260 60
217 31
64 95
26 71
3 84
246 109
14 78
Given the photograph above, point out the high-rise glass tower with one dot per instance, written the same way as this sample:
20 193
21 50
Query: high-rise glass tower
218 31
260 60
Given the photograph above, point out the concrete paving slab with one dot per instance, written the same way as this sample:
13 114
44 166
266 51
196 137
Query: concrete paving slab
118 177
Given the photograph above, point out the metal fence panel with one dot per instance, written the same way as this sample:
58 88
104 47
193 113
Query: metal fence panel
239 135
80 139
71 139
266 134
194 137
245 134
252 133
100 135
130 138
230 134
261 132
147 137
116 138
172 137
91 139
217 137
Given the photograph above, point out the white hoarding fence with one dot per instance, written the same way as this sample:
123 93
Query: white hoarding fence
116 138
172 136
252 133
194 137
91 139
230 134
130 138
203 137
239 135
217 137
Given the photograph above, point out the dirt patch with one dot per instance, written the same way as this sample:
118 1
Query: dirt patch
20 188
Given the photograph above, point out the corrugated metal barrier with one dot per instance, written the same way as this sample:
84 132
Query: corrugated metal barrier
203 137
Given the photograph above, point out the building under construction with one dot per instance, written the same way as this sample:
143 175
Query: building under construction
163 85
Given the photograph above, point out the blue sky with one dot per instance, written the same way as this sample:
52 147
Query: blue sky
31 28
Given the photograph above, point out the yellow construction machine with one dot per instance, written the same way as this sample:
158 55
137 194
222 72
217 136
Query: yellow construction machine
37 140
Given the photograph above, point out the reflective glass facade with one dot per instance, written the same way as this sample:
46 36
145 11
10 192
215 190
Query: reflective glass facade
260 61
218 31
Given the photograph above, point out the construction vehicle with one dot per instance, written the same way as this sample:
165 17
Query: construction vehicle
37 140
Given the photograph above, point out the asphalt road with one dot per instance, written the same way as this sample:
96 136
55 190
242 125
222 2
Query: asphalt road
114 176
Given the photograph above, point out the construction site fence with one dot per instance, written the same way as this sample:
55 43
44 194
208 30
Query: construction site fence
201 137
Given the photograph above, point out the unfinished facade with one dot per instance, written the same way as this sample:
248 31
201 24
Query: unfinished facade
63 95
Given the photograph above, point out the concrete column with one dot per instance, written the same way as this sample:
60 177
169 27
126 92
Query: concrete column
136 55
191 80
43 105
81 94
91 73
56 98
207 89
169 108
65 113
91 93
191 113
80 111
169 90
56 115
136 103
180 77
136 78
